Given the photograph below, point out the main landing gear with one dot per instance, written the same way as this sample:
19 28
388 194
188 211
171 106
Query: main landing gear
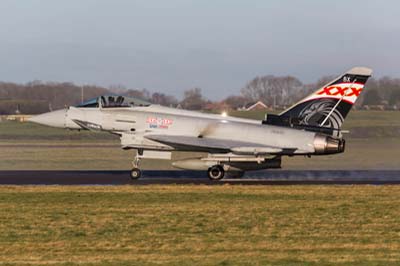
135 172
216 172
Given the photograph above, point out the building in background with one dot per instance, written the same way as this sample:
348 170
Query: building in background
254 106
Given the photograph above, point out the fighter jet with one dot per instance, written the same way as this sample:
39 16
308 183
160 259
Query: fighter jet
232 145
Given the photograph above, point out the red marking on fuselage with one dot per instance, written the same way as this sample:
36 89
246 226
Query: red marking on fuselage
158 122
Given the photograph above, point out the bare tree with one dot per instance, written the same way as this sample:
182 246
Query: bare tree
193 100
163 99
372 97
142 94
273 90
395 98
36 96
236 101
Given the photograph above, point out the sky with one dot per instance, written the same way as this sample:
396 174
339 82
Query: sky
171 46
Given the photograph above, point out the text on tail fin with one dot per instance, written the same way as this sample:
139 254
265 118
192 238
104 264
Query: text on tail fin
329 105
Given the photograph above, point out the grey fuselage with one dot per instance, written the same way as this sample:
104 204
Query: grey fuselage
136 124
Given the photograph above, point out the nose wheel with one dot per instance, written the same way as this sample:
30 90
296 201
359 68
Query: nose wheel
136 173
216 172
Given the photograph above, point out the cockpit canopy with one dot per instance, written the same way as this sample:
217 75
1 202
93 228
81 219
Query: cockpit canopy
113 101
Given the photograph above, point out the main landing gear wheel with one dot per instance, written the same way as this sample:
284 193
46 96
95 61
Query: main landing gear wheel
136 173
216 172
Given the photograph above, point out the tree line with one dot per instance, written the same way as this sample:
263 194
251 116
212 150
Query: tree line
276 92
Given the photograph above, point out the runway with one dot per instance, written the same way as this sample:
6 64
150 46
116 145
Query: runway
267 177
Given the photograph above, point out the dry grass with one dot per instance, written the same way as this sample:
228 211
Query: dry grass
359 154
200 225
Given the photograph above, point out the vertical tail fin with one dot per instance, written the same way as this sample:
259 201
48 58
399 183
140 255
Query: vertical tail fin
329 106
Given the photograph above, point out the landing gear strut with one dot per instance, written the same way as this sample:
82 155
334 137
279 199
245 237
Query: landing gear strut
135 172
216 172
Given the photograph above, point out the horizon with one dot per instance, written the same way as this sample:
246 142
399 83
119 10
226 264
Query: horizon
177 45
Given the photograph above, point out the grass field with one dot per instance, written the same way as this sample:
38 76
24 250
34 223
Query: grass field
11 131
374 143
200 225
359 154
197 225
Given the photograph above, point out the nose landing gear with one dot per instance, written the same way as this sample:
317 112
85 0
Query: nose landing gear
135 172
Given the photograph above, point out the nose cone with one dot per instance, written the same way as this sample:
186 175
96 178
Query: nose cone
52 119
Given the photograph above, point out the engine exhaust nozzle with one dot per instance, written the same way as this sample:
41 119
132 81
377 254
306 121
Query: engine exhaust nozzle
324 144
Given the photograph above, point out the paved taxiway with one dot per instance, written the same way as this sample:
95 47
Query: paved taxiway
269 177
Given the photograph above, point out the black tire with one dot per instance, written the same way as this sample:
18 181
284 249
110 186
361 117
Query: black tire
136 173
216 172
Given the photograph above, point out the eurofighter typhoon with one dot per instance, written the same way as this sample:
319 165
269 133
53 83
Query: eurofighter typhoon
233 145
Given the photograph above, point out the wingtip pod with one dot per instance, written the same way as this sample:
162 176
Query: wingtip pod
362 71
